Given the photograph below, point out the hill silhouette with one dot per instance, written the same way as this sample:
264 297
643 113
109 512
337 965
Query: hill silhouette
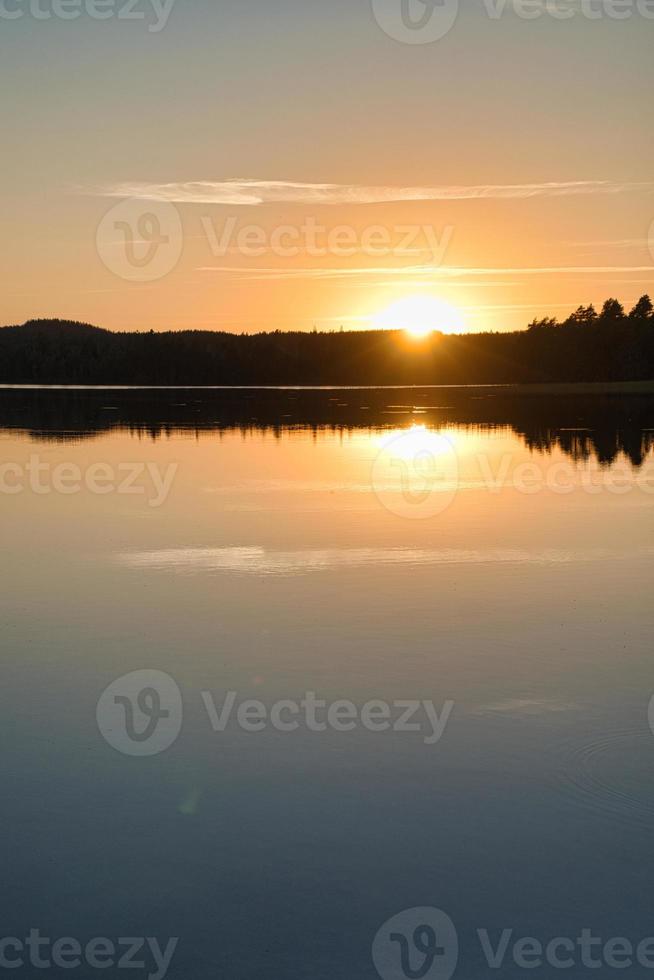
589 346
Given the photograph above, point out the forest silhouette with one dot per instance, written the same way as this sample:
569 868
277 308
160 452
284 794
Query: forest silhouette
589 346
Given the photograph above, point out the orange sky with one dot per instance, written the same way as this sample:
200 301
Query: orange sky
241 170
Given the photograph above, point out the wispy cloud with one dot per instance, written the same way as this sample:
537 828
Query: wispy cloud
251 193
619 243
427 272
472 311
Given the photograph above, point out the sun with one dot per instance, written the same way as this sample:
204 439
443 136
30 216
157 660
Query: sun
419 316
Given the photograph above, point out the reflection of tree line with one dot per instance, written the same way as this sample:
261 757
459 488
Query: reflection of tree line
583 427
604 444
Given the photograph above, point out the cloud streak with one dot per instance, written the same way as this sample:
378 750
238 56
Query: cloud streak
253 193
421 272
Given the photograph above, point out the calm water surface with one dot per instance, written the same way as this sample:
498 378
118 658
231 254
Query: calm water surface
338 547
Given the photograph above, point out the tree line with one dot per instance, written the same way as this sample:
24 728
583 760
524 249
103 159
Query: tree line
609 345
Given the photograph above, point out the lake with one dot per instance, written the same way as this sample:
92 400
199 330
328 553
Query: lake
280 666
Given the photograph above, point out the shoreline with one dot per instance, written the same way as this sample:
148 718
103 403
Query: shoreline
544 388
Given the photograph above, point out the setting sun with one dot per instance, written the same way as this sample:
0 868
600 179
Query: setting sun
420 316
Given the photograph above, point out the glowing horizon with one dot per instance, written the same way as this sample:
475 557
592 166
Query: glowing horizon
202 197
